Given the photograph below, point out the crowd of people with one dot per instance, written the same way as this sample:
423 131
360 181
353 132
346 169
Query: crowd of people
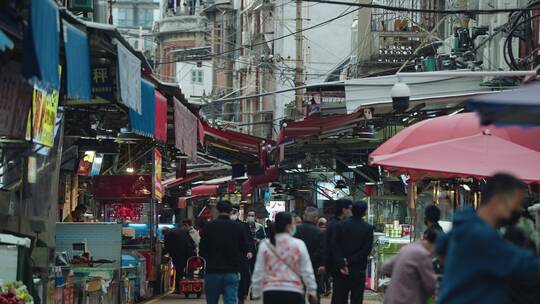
300 259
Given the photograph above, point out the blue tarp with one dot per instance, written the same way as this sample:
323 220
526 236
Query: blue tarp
144 123
520 106
78 63
5 42
42 44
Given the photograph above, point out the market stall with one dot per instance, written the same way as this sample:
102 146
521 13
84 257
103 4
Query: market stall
12 264
128 201
466 152
88 262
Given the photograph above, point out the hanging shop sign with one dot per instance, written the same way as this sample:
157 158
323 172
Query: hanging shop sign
122 187
158 187
15 100
42 118
102 82
330 191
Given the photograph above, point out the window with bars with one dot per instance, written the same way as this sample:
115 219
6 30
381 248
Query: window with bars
197 76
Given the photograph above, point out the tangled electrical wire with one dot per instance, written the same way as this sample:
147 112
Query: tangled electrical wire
519 26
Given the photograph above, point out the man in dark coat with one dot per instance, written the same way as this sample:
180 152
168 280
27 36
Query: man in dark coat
343 211
313 237
351 243
224 246
245 273
180 246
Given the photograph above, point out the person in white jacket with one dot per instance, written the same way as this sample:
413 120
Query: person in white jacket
283 268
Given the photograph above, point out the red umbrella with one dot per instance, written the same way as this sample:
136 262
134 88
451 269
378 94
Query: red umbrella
457 146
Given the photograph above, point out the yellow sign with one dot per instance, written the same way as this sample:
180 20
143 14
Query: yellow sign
158 188
40 127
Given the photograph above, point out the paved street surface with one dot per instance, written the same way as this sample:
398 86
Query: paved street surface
370 298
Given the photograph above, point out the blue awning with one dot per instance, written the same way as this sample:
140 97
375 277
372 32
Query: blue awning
42 44
78 63
144 124
5 42
520 106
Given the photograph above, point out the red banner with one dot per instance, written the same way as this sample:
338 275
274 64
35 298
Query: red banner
117 187
160 131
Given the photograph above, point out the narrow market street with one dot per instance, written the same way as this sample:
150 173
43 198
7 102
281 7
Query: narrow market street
382 151
369 298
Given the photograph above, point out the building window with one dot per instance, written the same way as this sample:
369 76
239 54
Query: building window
123 16
197 76
146 17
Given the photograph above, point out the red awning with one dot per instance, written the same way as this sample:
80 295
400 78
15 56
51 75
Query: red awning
182 180
316 126
271 175
160 131
182 201
206 190
235 140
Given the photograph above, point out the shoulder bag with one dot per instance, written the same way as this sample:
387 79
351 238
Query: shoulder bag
311 299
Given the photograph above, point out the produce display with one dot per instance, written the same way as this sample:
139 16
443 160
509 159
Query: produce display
14 293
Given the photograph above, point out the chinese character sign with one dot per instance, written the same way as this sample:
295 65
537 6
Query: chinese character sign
42 119
41 125
102 82
158 188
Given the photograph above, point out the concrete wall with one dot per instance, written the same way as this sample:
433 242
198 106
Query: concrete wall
193 90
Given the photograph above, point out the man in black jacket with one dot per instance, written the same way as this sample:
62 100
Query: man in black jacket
312 236
224 246
343 211
352 243
180 246
245 272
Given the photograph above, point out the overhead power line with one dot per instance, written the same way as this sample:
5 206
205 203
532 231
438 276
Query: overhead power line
423 10
273 39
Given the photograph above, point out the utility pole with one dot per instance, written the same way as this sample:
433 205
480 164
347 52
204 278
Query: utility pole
299 58
110 12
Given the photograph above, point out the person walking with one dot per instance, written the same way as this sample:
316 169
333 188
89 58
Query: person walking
257 229
224 246
323 278
352 243
432 215
313 237
245 271
283 267
322 222
187 224
479 264
180 246
297 220
330 269
413 279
